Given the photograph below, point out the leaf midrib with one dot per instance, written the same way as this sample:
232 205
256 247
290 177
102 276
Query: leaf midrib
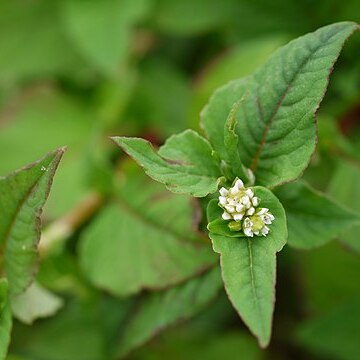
272 116
277 107
253 287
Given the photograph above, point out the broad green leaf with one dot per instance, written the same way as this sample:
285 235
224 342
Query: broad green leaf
275 122
345 187
5 319
313 218
102 29
159 310
239 61
249 269
185 163
334 334
22 196
36 302
146 240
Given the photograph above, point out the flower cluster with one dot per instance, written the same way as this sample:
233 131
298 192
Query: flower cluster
241 206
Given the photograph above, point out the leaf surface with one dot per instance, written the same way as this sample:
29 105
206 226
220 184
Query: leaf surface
313 218
275 122
5 319
160 310
146 241
249 269
22 196
185 163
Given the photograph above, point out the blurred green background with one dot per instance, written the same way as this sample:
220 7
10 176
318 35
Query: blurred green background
74 72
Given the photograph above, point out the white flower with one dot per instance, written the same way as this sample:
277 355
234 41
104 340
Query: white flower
256 223
241 205
235 201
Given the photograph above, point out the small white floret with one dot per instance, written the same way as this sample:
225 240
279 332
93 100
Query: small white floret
263 211
247 223
230 208
255 201
226 216
245 200
239 208
239 184
266 219
223 191
238 217
249 193
222 200
234 190
248 232
265 230
251 211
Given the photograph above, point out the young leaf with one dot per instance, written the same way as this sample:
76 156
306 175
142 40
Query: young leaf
248 269
231 142
275 122
313 218
185 164
22 196
5 319
160 310
36 302
215 113
219 226
150 231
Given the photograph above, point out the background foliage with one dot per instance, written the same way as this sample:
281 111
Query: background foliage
114 271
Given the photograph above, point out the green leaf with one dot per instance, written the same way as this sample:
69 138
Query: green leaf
313 218
237 62
146 240
22 196
5 319
276 126
159 310
334 334
249 269
217 111
102 29
218 225
185 163
36 302
345 187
